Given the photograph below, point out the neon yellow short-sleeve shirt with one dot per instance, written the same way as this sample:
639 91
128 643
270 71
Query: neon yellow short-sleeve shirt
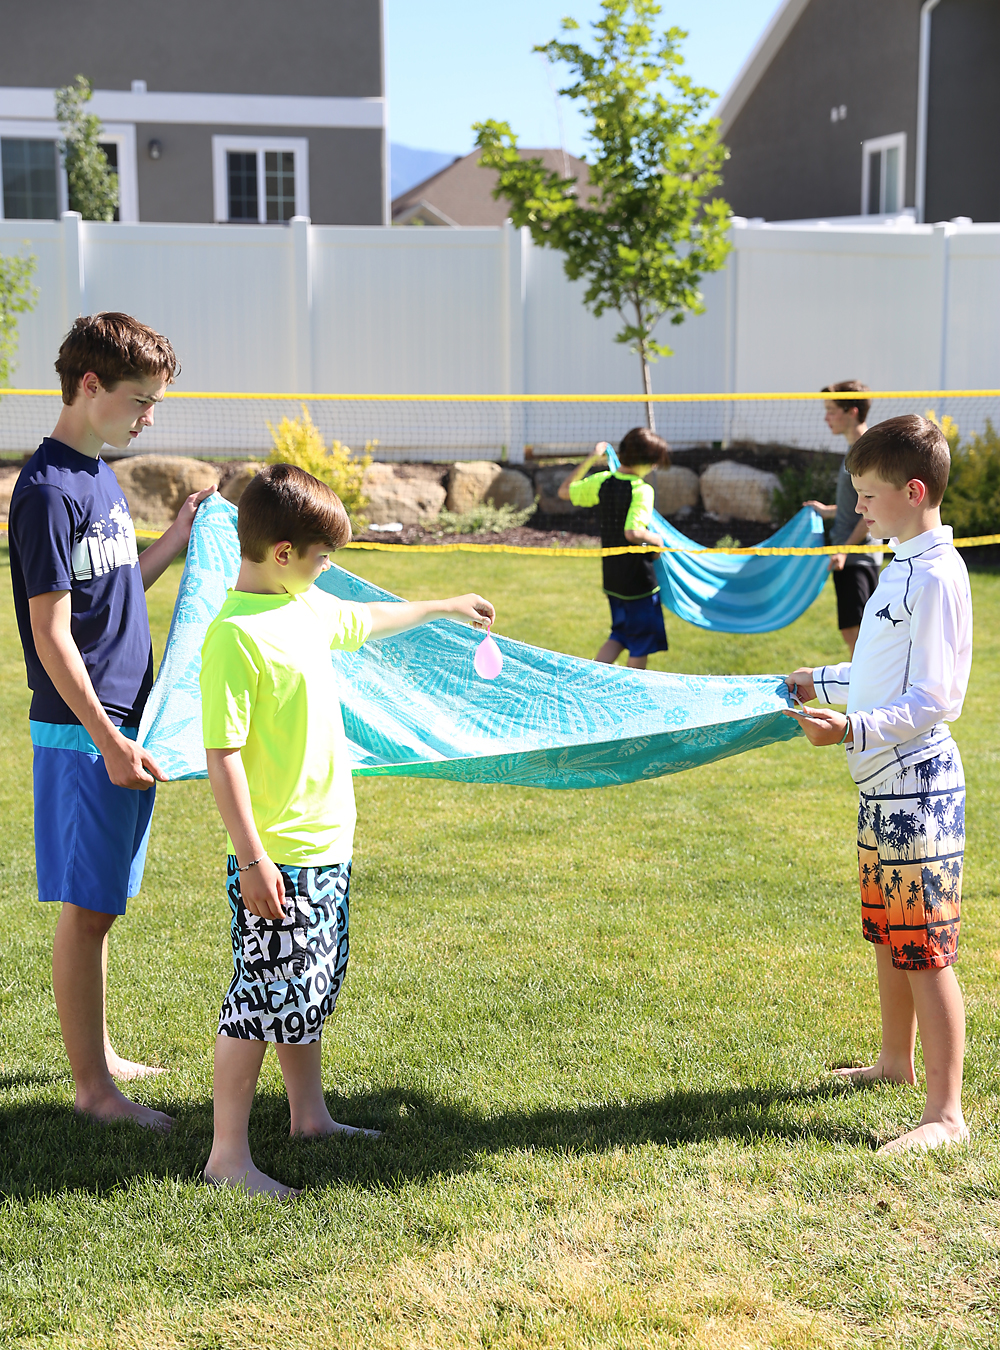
267 689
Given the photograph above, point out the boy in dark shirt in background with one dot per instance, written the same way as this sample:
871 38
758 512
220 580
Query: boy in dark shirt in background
626 508
79 584
855 575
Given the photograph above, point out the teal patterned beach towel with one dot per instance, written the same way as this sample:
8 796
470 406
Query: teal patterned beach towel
730 593
413 704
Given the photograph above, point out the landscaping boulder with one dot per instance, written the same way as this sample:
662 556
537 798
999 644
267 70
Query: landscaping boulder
675 490
393 497
511 488
736 491
547 482
155 486
469 483
235 478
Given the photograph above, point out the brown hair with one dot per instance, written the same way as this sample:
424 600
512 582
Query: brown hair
642 446
281 502
115 347
901 449
863 405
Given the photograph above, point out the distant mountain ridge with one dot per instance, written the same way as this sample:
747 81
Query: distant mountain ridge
408 166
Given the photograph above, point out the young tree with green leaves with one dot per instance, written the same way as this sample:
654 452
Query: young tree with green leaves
93 184
17 296
644 229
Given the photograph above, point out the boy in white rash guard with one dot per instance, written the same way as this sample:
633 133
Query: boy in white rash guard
907 681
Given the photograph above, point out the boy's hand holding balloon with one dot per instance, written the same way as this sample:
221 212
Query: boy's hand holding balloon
489 659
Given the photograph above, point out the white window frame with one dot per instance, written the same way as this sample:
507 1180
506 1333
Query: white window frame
877 146
221 145
122 133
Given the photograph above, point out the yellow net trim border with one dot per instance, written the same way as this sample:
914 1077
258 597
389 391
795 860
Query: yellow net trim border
556 551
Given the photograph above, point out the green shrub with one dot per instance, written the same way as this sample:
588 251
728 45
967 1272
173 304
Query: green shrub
92 183
813 482
971 503
948 426
298 441
17 296
484 519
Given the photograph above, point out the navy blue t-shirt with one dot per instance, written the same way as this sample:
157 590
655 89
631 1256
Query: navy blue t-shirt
70 530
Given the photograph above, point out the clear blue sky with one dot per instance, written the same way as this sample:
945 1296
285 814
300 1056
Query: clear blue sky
455 62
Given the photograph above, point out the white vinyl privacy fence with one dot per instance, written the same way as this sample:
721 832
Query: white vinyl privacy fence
307 309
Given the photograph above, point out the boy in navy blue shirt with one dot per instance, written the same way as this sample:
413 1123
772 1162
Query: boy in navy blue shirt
79 584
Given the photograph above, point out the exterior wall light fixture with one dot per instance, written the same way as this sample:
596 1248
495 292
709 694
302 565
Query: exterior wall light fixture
155 149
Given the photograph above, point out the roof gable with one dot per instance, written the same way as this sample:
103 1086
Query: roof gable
462 192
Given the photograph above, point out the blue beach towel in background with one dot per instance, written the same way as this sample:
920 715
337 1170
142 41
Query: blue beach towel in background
414 706
741 594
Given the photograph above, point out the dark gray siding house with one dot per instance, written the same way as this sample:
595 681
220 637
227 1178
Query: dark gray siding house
868 107
236 110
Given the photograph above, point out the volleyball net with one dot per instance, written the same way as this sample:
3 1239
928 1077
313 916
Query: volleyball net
441 428
750 458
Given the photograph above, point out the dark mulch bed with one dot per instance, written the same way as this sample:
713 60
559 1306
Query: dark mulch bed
569 532
523 537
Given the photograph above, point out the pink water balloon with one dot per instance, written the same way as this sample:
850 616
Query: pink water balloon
489 659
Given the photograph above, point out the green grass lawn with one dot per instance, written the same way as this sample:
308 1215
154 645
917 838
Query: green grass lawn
593 1026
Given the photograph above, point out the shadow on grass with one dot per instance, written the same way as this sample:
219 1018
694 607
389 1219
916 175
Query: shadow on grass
10 1079
46 1149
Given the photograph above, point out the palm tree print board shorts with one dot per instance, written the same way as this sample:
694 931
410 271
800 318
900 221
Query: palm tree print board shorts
911 842
288 972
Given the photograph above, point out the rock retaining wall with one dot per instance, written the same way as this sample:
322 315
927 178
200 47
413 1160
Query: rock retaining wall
735 485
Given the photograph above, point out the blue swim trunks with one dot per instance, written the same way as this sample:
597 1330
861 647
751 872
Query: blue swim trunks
90 836
288 972
638 624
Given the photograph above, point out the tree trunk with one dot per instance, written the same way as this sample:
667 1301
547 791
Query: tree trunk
647 382
648 388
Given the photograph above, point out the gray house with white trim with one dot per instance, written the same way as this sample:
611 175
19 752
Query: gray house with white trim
867 108
237 110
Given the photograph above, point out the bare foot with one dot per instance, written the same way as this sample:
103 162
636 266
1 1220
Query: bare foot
933 1134
254 1182
114 1105
876 1073
324 1129
125 1070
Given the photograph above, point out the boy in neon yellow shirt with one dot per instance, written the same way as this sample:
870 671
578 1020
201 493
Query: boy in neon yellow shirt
279 769
625 502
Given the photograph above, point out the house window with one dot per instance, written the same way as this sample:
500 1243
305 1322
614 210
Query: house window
33 176
261 180
242 175
883 175
30 170
279 184
110 149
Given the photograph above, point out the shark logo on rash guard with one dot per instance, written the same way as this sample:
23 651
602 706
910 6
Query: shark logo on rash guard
106 546
884 614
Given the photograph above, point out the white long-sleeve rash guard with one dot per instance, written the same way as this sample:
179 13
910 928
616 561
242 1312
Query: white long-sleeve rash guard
912 660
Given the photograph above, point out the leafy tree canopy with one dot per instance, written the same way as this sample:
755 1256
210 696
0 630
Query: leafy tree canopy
93 184
645 228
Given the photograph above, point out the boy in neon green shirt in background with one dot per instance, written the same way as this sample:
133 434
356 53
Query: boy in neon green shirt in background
626 509
279 768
